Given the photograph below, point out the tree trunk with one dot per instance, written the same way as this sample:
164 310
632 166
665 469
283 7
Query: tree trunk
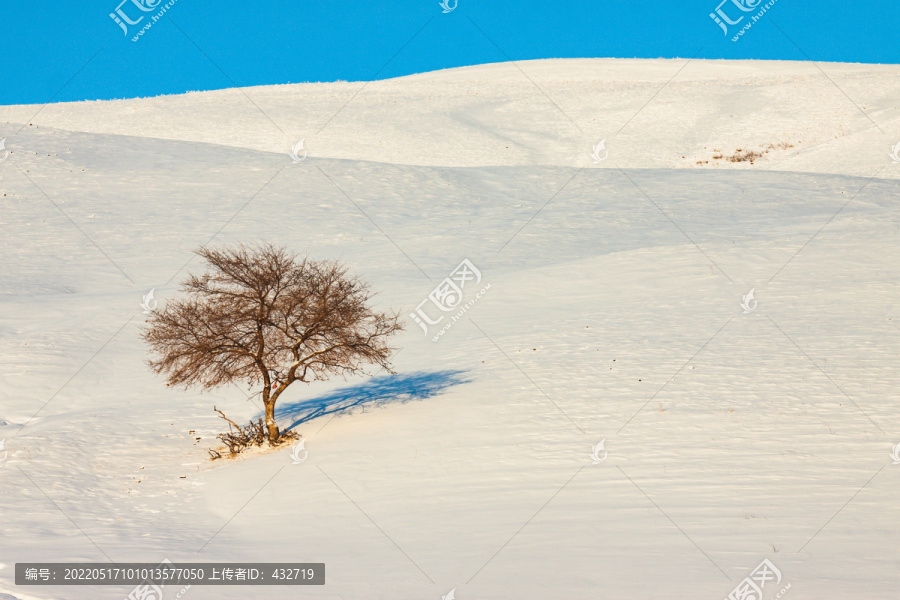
271 426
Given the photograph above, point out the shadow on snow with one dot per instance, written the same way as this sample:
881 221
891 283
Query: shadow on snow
378 391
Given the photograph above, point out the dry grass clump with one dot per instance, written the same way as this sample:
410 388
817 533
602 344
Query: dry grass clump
747 155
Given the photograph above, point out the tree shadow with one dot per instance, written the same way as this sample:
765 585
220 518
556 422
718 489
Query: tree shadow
378 391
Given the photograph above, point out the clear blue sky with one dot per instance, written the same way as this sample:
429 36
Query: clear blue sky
48 46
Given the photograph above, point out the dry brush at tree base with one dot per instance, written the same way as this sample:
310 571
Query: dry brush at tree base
261 315
238 438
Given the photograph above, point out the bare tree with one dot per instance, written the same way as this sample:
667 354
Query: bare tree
262 315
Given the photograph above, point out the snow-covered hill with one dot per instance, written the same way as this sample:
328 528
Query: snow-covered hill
825 118
613 314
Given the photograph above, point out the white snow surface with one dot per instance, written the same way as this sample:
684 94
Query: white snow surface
613 314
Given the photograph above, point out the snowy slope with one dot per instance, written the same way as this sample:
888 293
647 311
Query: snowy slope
840 118
613 314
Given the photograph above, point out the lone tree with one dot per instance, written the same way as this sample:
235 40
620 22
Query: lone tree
262 315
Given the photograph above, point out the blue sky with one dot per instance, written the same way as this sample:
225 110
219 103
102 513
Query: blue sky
63 51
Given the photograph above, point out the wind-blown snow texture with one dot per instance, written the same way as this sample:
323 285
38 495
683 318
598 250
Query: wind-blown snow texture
613 313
